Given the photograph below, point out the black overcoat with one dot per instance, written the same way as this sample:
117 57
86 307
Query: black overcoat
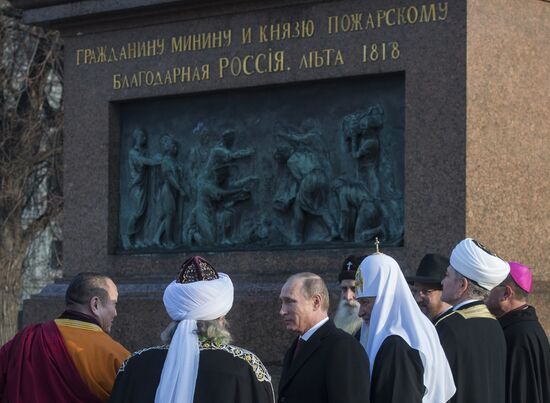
528 357
331 367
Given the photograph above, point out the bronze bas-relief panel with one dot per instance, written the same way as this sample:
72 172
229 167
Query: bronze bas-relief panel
307 165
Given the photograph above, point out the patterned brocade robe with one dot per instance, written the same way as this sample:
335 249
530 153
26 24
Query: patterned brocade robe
227 374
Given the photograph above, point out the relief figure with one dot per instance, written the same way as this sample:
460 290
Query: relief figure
198 154
360 216
138 164
308 195
168 202
212 216
362 132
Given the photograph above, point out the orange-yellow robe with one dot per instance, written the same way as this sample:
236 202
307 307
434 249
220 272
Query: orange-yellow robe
36 367
95 354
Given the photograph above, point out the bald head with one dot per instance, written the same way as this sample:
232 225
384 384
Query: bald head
93 294
84 286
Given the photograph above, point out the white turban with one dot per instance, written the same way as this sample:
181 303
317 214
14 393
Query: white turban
470 259
187 303
395 312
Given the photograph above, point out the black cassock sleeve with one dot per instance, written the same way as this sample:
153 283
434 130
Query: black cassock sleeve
398 373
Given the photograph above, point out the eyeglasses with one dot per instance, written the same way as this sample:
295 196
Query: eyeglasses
422 292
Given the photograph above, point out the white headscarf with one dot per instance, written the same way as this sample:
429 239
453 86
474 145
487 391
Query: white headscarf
187 303
475 263
395 312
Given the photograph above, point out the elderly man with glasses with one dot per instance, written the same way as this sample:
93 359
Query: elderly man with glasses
426 286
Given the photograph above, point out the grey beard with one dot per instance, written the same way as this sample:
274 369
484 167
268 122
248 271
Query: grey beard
346 317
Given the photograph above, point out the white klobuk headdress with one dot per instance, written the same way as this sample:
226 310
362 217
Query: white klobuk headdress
395 312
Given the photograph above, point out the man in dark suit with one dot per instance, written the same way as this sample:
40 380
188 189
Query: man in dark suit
323 364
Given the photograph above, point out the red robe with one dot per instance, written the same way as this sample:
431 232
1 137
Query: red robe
36 367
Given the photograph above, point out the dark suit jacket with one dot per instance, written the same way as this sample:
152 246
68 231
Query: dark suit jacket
331 367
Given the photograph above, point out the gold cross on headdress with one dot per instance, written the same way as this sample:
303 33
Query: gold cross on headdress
377 245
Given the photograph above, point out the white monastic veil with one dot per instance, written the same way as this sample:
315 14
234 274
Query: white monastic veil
395 312
187 303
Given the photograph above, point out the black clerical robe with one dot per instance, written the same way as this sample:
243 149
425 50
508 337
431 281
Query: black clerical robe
528 357
474 344
397 374
330 367
440 315
227 374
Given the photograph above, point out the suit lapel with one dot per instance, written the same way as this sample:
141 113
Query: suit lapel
291 367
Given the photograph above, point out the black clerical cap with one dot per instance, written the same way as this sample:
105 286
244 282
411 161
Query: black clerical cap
431 270
349 267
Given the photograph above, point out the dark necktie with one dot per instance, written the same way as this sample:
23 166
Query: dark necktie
299 345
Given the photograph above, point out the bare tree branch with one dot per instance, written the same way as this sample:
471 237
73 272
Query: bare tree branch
31 143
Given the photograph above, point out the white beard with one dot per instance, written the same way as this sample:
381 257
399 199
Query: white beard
346 317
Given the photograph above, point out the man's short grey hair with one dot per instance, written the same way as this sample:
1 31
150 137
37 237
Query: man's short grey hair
312 285
215 331
474 291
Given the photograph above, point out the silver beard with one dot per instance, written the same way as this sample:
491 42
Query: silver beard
346 317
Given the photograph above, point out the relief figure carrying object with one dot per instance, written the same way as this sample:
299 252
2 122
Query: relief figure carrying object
215 194
362 131
307 194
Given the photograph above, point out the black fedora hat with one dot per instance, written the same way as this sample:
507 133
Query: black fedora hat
432 269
